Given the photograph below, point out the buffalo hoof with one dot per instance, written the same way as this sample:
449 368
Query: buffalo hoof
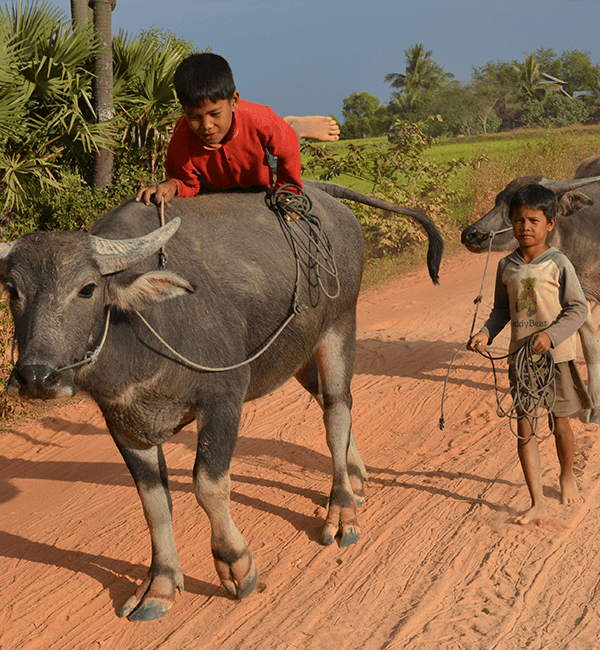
149 610
152 599
239 577
342 523
349 536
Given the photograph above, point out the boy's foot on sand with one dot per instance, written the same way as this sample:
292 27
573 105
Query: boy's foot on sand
569 492
318 127
533 514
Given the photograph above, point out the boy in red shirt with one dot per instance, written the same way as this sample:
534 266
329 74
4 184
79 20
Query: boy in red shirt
221 140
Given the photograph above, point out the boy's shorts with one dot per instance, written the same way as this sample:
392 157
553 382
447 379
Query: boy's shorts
571 393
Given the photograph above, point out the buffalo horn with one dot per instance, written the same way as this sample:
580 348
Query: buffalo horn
567 186
113 255
6 248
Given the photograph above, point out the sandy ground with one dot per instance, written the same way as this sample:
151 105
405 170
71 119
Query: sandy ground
440 565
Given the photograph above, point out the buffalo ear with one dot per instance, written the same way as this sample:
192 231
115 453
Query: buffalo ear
572 201
134 293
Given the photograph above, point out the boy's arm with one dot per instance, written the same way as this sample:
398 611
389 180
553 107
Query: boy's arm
574 304
182 180
500 314
283 143
178 165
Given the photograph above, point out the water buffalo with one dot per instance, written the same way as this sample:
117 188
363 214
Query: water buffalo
577 234
588 168
232 283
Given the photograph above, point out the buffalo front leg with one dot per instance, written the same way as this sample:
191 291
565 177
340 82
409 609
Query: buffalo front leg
334 357
590 346
233 561
155 596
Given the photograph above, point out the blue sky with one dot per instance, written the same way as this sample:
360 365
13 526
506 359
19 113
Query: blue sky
305 57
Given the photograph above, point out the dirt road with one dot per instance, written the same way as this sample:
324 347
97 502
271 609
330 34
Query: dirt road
440 565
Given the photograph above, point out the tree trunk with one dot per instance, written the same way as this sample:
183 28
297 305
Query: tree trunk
103 87
81 12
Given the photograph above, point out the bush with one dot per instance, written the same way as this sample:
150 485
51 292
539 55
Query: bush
77 206
558 110
399 173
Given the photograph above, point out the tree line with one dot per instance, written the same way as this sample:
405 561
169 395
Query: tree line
545 89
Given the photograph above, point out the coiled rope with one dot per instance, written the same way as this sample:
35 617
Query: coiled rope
304 231
533 377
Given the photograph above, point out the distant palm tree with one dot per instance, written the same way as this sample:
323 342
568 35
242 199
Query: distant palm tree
531 82
423 74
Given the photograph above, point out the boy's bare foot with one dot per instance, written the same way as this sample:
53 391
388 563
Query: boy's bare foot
568 491
533 514
318 127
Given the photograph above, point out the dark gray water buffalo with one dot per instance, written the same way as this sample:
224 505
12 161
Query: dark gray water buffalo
577 234
588 168
229 289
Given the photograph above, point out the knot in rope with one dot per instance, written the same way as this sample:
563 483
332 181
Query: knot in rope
305 233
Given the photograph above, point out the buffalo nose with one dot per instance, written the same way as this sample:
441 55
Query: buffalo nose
468 234
36 381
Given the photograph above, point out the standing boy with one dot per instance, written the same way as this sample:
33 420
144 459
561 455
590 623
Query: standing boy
221 141
538 291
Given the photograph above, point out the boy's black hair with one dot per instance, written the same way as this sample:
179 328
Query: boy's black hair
536 197
203 76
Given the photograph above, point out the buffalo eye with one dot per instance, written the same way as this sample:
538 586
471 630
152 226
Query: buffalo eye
87 291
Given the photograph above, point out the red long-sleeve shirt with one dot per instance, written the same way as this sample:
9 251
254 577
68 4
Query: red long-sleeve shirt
240 160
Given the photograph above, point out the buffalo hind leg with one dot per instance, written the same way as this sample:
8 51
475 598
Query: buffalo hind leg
308 377
233 561
334 357
155 596
590 346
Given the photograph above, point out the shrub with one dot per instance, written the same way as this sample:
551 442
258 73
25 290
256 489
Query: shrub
399 173
558 110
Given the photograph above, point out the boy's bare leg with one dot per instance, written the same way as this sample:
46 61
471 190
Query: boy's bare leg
565 450
529 455
318 127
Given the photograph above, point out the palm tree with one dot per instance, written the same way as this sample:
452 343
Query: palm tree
45 99
531 82
422 74
103 87
144 94
81 12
